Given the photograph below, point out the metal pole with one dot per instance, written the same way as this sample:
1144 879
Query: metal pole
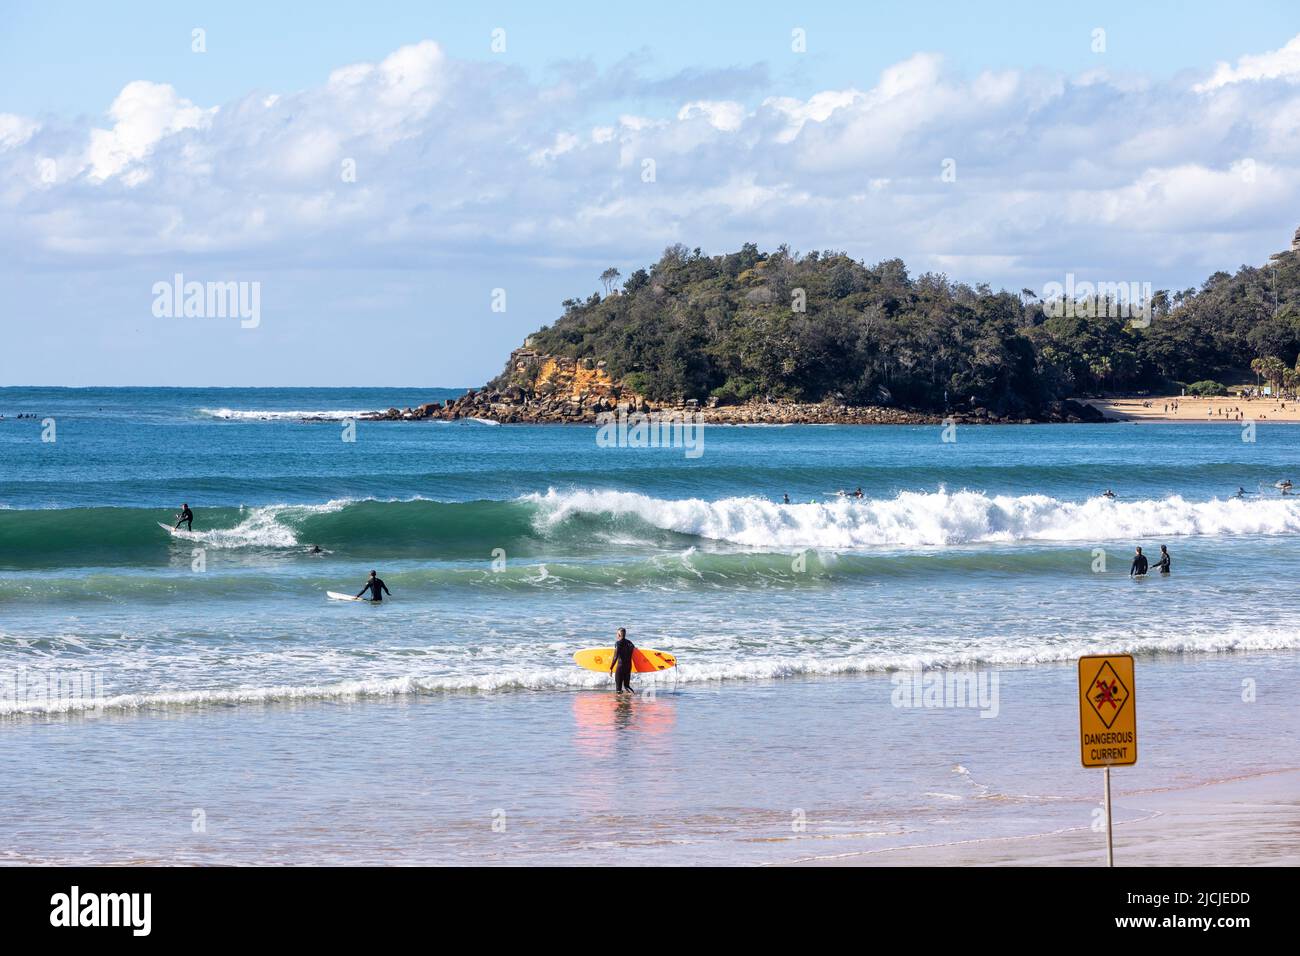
1110 844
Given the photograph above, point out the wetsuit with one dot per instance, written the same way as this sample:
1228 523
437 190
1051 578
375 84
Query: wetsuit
375 586
623 665
1162 563
187 517
1139 565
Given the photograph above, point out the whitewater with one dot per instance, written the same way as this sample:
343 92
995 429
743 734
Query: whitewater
612 518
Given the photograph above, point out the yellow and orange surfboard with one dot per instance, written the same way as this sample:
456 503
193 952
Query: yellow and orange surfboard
645 660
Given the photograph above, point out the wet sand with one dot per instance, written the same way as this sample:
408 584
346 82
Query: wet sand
1252 821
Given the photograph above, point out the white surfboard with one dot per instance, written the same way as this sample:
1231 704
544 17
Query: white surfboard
341 597
176 532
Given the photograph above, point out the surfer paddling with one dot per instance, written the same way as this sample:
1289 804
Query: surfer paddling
186 516
376 587
621 665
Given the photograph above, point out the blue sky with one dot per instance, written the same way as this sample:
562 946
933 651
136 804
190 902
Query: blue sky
128 158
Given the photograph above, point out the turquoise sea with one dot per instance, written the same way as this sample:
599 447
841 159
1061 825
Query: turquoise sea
149 681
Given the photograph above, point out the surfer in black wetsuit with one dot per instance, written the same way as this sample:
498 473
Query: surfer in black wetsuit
621 665
376 587
186 516
1139 565
1162 562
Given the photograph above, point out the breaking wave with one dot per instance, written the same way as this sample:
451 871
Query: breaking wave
584 521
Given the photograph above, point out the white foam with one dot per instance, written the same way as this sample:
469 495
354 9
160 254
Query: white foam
262 414
264 527
927 519
993 652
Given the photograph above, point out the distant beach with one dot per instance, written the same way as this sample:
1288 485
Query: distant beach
1175 408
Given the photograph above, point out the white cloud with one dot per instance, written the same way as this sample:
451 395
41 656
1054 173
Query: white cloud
725 115
15 130
1278 64
473 159
564 142
815 109
144 113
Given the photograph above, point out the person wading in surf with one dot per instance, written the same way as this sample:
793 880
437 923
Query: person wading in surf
1139 565
621 665
1162 562
376 587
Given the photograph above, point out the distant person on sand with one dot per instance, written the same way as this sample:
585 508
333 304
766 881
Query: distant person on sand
1139 565
621 665
1162 562
376 587
186 516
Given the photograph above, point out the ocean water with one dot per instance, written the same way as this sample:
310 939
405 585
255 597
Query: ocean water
207 670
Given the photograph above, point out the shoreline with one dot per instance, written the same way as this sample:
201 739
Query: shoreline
1241 821
501 410
1220 410
954 799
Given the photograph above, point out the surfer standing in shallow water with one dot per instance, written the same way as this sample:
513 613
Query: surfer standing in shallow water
621 665
376 587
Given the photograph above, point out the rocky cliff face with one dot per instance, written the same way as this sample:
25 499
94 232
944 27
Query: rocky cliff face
534 388
537 388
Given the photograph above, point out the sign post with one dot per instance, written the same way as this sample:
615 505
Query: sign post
1107 720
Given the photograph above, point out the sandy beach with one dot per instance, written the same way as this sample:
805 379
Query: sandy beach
1172 408
1251 821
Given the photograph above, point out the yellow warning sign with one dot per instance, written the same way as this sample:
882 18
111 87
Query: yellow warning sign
1107 711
